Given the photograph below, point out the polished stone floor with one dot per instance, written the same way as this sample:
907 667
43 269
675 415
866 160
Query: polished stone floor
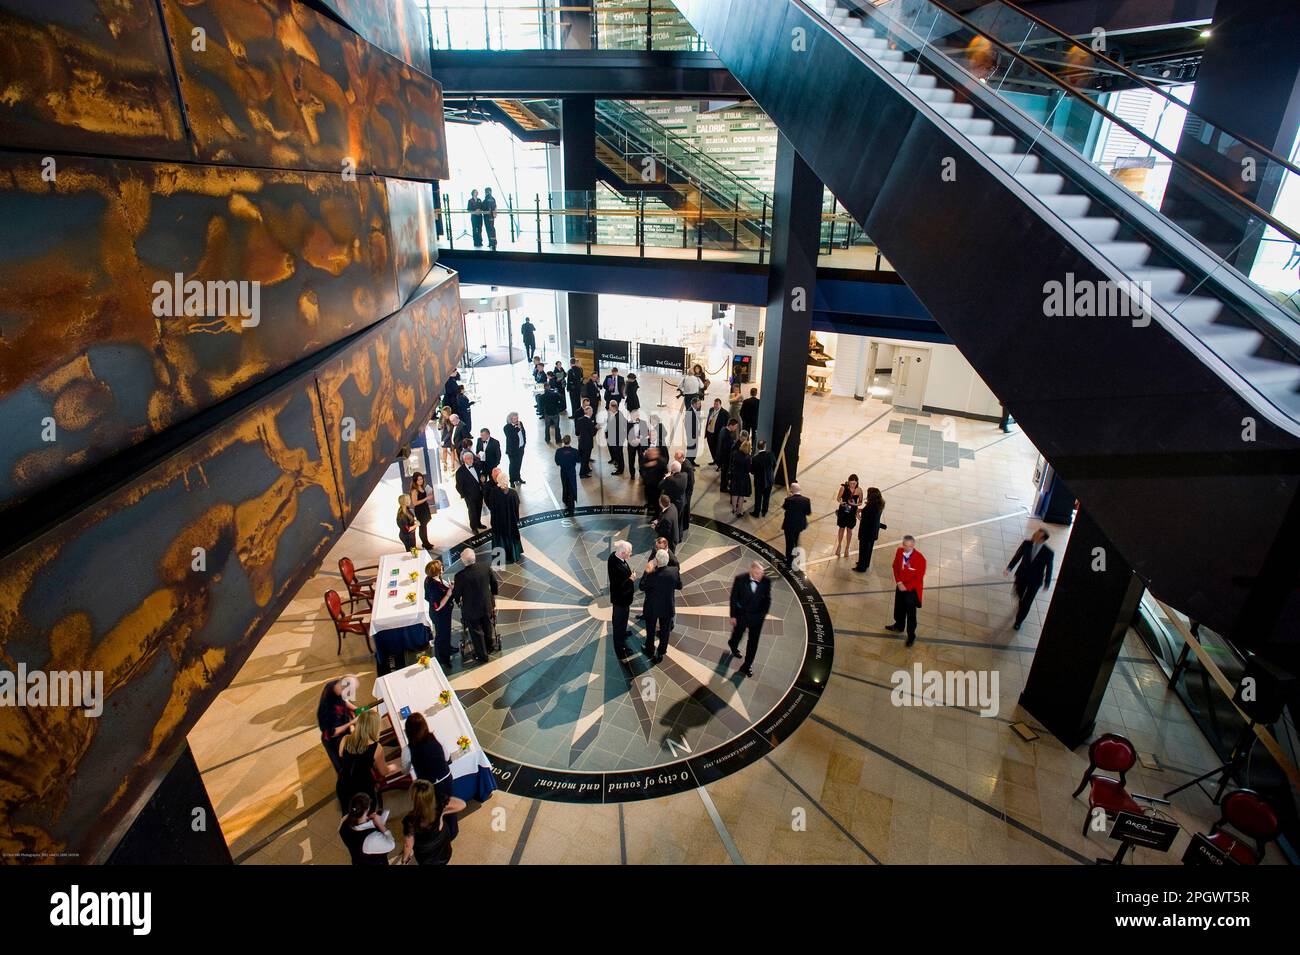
860 780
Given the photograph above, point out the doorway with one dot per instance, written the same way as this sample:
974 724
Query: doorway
911 370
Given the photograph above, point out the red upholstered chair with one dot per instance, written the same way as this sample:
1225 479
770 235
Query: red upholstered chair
1247 812
346 622
359 588
399 779
1110 753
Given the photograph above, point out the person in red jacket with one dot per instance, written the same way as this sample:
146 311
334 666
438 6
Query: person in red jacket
909 583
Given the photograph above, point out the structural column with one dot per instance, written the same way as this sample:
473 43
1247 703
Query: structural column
792 281
178 826
578 157
584 328
1249 81
1093 604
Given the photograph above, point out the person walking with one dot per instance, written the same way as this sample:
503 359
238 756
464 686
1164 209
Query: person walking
797 511
741 483
1032 563
475 589
585 428
848 499
622 588
751 599
659 582
615 432
421 494
688 469
568 459
909 586
763 467
470 488
405 522
489 207
437 593
749 412
516 441
528 334
574 379
475 207
869 528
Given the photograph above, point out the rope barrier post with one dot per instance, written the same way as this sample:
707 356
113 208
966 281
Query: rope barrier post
785 471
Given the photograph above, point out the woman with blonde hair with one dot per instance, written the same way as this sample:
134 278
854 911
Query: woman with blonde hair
429 828
740 482
406 522
437 592
360 758
503 505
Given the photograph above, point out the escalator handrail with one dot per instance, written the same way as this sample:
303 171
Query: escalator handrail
1152 87
866 6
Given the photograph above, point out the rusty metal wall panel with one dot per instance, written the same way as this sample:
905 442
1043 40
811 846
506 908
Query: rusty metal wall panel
389 385
396 26
81 340
278 83
115 588
89 76
413 227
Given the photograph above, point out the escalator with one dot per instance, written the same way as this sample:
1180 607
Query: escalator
1160 381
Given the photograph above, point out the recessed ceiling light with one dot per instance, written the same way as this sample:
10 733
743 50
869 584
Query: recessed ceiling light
1206 34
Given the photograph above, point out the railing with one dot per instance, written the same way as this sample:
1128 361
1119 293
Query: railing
558 25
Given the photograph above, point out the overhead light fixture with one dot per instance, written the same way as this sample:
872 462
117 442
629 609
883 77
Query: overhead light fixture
1206 34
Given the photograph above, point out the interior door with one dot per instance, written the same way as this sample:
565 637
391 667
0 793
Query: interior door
911 370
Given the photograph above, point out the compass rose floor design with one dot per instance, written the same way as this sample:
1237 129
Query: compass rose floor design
562 717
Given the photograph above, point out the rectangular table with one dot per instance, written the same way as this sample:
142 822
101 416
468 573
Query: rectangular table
395 612
418 687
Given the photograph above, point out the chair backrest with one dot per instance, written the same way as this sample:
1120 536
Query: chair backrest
347 571
334 605
1112 753
1247 812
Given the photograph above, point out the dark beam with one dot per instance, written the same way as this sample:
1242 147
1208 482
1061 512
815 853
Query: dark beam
612 74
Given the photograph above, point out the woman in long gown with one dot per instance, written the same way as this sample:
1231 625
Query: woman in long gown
503 505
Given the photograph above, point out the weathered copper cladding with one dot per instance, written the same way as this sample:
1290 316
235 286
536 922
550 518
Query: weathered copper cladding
119 587
414 232
276 83
88 76
92 338
395 25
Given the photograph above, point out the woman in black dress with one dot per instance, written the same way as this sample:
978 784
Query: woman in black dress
405 522
869 527
503 505
360 757
633 401
738 477
430 827
428 759
847 501
358 826
437 593
420 495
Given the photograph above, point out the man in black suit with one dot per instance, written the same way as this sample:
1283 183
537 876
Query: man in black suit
552 408
726 442
459 432
528 332
751 599
749 412
1034 572
591 390
516 441
665 524
488 451
470 488
797 511
694 431
713 428
585 428
659 583
674 485
763 466
622 587
462 407
574 379
688 469
568 459
653 471
475 589
615 386
452 388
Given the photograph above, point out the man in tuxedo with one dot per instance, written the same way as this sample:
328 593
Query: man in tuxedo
751 599
909 584
452 388
622 587
615 386
797 511
488 451
694 431
470 488
574 380
462 407
688 469
665 525
591 390
726 442
674 485
638 439
585 428
475 589
567 457
763 466
659 583
749 412
714 427
516 441
1033 566
459 431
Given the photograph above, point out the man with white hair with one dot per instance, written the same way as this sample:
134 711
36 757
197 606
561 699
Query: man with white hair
622 587
470 488
674 486
475 590
751 599
688 471
797 510
659 584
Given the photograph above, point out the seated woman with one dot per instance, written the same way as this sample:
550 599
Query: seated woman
365 833
362 757
429 828
428 759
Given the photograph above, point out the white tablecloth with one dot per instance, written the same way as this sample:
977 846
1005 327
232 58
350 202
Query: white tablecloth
418 687
391 612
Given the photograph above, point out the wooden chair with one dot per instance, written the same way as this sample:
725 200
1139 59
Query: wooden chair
359 588
345 623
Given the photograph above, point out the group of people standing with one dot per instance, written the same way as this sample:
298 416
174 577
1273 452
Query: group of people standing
483 215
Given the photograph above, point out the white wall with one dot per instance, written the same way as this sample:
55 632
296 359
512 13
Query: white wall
952 384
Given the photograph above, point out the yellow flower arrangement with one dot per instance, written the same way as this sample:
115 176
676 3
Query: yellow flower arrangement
444 697
463 743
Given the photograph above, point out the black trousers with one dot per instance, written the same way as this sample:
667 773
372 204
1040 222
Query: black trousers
490 223
620 627
516 461
755 627
480 634
529 348
664 624
905 610
791 542
476 224
633 455
865 547
1026 596
685 514
585 451
762 499
616 456
474 507
575 401
568 492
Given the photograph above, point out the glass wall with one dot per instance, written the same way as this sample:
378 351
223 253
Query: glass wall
558 25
